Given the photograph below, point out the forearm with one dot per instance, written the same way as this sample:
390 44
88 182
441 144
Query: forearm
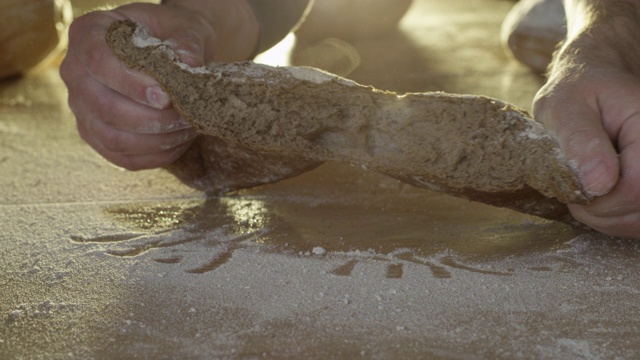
277 18
247 27
583 14
601 32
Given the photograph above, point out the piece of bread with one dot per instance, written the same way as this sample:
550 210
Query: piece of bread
468 146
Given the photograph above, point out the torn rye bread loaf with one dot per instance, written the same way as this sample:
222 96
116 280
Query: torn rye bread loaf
468 146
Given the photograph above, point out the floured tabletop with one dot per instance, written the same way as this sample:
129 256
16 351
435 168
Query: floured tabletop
98 262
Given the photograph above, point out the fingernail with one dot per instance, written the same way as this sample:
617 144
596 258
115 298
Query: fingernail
595 177
157 97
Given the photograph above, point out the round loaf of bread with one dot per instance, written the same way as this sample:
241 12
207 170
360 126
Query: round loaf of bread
31 32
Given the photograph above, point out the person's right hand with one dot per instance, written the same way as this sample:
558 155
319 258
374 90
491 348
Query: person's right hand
122 113
591 104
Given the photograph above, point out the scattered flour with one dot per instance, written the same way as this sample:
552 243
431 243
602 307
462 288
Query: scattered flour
316 76
318 251
535 133
143 39
42 309
194 70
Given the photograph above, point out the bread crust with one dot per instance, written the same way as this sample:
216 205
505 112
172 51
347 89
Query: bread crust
276 122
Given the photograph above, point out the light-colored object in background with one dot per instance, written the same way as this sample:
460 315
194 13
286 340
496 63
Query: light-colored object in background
532 31
324 37
330 54
351 19
32 32
293 118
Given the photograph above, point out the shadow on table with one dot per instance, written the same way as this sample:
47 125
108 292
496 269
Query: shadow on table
337 213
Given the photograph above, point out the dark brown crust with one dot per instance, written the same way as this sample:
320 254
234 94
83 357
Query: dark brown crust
273 125
218 167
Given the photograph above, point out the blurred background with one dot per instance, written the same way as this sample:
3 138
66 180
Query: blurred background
33 32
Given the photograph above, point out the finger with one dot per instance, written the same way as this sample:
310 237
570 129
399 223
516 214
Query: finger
575 120
620 103
625 197
126 143
133 161
123 142
129 128
618 212
87 44
626 226
93 100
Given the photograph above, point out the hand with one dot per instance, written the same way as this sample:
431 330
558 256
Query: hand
124 114
591 102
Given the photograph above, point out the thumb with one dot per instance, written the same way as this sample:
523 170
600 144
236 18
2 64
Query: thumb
576 123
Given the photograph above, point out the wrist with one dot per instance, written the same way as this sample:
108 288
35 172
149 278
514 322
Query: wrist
600 33
585 14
